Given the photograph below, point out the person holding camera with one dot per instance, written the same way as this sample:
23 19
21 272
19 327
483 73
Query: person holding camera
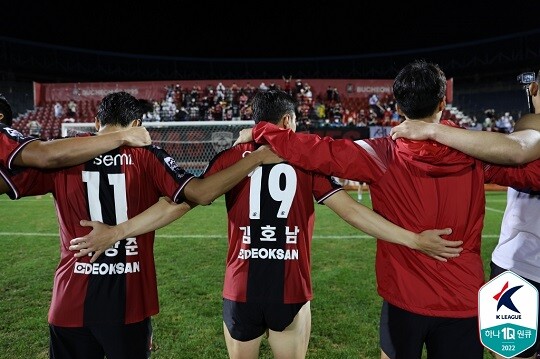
518 248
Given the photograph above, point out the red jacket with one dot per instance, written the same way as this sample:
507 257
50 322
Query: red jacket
417 185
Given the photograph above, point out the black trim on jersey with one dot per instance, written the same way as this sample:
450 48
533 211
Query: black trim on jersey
105 300
174 169
12 193
270 290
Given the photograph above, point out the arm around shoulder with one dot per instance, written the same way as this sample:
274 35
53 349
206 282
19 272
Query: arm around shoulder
76 150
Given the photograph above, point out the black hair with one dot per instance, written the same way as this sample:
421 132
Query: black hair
418 89
6 110
272 105
121 108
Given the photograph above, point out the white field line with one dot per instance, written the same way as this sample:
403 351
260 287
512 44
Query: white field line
207 236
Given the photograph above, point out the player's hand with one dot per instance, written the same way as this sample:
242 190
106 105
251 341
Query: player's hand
136 137
97 241
431 243
412 129
246 135
267 155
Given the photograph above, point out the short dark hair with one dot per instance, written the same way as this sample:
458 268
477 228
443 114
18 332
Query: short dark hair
418 88
6 110
272 105
121 108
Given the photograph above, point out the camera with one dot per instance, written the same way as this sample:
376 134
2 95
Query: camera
526 79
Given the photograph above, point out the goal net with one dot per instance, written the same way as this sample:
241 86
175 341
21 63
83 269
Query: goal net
192 144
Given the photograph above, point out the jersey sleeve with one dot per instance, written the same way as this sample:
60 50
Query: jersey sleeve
24 182
324 187
11 144
525 176
341 158
170 178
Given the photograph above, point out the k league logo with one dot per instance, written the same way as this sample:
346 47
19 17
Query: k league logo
508 314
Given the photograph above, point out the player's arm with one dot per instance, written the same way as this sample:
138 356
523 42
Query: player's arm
104 236
521 146
429 242
205 190
72 151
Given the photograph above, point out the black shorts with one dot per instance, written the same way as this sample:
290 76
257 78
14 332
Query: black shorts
384 334
247 321
130 341
495 271
403 335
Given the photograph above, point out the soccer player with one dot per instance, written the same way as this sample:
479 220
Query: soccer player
104 308
519 241
417 185
267 287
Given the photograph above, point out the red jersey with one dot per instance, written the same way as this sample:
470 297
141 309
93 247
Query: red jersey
11 144
271 216
417 185
120 287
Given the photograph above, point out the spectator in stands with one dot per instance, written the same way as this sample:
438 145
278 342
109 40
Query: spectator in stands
249 89
519 241
72 109
220 92
308 94
414 184
335 95
505 123
298 85
182 115
489 121
362 118
287 84
6 113
329 94
375 105
58 110
34 128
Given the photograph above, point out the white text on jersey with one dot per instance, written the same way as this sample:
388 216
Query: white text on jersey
110 160
106 268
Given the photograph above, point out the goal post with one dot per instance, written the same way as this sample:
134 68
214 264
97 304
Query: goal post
191 143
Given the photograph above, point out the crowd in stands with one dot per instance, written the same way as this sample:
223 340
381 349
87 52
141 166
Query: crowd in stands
222 103
319 109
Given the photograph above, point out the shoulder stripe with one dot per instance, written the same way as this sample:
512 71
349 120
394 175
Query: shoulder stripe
371 151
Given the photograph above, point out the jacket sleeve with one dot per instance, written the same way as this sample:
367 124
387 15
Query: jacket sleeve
525 176
341 158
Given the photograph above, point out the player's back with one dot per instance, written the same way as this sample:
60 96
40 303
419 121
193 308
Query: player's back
120 286
271 217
